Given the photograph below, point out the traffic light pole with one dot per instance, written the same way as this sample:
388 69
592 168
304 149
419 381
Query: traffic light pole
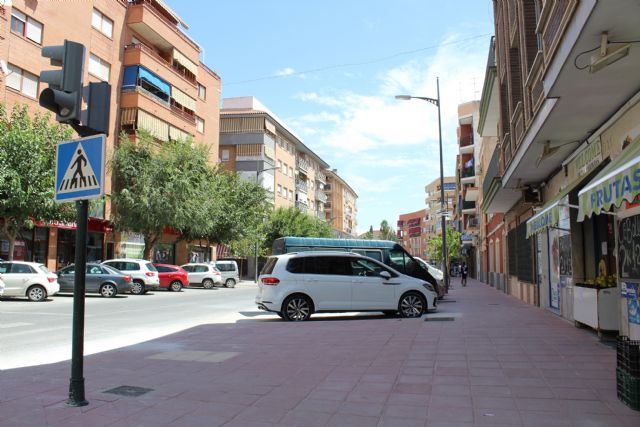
76 384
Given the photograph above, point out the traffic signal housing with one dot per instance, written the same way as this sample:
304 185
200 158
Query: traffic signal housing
64 94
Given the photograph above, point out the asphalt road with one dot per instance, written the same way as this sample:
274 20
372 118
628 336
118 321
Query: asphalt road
39 333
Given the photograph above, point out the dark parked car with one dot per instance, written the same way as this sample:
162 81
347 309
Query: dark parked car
102 279
172 277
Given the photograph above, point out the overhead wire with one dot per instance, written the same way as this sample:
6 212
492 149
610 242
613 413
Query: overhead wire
353 64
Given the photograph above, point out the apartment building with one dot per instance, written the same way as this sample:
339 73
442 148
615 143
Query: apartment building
259 146
341 207
158 84
466 214
412 232
569 146
433 200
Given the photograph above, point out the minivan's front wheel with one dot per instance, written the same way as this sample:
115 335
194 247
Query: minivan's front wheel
296 308
230 283
412 305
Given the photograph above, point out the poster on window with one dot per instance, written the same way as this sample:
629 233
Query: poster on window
630 292
554 273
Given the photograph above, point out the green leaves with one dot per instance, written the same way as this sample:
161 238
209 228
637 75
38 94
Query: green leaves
434 247
27 175
292 222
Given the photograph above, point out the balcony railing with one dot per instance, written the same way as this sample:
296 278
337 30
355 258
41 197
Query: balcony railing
493 172
185 74
466 140
302 164
468 205
507 154
473 222
517 125
321 177
468 172
301 206
321 196
327 188
301 185
321 215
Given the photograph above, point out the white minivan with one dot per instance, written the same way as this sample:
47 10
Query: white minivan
296 285
230 273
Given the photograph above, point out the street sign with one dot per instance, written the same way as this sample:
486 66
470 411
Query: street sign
80 166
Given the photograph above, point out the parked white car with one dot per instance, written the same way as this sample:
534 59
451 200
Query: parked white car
435 272
296 285
203 274
28 279
144 276
1 287
230 273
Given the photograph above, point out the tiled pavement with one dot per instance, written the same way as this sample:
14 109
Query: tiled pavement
500 362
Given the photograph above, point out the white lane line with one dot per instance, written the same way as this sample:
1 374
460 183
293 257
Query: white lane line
13 325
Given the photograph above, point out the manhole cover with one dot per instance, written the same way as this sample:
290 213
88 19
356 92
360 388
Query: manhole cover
439 319
129 391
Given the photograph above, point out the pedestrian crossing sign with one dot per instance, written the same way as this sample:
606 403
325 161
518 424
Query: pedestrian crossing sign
80 166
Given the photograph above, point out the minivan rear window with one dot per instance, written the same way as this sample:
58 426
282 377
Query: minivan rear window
268 266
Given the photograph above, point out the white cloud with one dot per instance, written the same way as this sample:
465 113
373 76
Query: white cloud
288 71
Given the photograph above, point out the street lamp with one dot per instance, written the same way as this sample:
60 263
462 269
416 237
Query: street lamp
436 102
258 172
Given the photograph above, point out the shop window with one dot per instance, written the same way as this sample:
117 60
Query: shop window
95 247
599 250
199 254
164 253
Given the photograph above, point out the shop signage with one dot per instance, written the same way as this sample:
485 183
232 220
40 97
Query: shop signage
588 158
542 220
630 292
449 186
629 247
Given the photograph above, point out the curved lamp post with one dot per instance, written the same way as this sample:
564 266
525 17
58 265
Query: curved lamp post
436 102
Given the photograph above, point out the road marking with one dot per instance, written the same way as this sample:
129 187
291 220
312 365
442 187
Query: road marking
14 325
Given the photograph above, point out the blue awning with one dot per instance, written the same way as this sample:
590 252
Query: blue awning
134 72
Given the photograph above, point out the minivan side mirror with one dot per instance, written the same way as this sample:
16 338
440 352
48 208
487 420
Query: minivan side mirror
385 275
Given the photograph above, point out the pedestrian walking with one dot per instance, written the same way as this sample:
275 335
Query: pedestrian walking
464 270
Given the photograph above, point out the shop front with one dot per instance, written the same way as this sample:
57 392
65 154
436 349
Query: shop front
610 204
30 245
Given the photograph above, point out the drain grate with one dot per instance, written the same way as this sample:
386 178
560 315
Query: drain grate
439 319
129 391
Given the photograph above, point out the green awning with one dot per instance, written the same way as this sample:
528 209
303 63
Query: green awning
550 213
618 181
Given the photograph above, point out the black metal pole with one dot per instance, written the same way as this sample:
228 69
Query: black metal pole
442 202
76 384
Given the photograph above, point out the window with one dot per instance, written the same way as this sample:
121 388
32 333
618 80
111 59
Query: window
279 165
21 269
225 155
102 23
199 125
366 268
131 266
290 171
188 268
163 269
279 190
22 81
99 67
202 92
26 26
201 269
290 195
284 168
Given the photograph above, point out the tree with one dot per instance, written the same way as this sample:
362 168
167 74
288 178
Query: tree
157 187
369 234
27 171
434 247
292 222
386 231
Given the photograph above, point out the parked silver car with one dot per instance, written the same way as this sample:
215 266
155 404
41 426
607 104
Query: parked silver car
230 273
102 279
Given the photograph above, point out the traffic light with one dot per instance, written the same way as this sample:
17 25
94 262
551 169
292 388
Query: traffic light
64 94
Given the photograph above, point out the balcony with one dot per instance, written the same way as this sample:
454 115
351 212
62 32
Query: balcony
321 196
493 172
140 98
468 175
321 215
321 177
159 28
327 188
301 186
466 144
328 206
468 207
302 164
473 223
141 54
301 206
471 194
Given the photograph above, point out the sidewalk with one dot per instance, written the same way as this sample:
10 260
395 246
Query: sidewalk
498 362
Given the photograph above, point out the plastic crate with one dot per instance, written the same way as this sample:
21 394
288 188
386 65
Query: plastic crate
628 355
628 388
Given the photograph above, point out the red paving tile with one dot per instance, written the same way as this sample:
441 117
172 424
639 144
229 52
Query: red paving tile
512 365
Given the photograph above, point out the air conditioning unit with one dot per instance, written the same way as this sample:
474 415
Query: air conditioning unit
532 195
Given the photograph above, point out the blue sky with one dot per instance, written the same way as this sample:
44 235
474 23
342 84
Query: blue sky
330 71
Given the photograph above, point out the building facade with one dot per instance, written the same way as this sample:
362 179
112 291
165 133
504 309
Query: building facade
412 232
433 200
467 169
158 84
341 208
568 132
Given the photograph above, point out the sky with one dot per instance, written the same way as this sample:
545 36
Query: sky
330 71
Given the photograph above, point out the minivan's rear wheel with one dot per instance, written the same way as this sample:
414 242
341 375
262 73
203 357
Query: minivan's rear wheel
137 287
175 286
207 284
108 290
411 305
230 283
296 308
36 293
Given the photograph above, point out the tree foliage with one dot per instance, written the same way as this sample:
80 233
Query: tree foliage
27 171
434 247
369 234
386 231
292 222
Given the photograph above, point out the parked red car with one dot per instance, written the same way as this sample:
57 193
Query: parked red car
172 277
